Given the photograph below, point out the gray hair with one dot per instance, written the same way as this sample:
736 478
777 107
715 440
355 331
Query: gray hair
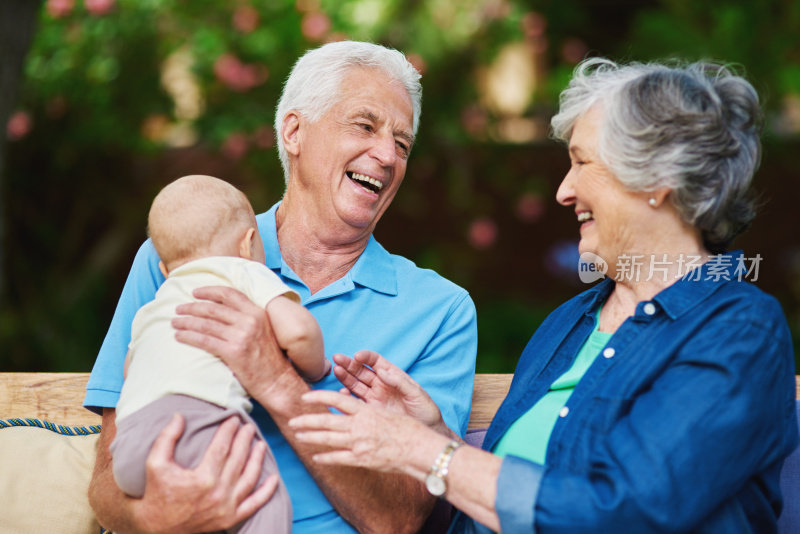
313 85
692 128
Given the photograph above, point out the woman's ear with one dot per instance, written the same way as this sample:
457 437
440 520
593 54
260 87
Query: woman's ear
658 196
290 132
246 244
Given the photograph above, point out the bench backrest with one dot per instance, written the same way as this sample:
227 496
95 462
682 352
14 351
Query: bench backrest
58 397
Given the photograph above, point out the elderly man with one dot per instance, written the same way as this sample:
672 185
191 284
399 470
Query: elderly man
346 124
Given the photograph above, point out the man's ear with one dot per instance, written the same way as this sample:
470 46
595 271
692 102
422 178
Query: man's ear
246 244
163 268
290 132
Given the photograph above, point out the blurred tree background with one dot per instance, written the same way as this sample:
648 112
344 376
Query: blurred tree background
116 98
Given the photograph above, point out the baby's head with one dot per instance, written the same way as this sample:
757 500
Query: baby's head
199 216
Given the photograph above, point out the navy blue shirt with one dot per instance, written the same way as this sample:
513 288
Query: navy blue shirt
680 425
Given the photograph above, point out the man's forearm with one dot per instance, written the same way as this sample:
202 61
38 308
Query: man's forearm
369 500
110 504
374 501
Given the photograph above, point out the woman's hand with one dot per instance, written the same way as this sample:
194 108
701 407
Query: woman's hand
373 437
367 435
375 380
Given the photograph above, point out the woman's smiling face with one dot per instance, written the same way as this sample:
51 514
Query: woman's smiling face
611 216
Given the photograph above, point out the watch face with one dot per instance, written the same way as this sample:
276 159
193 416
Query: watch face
435 485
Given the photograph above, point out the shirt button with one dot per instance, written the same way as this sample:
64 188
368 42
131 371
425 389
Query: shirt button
649 308
609 352
564 411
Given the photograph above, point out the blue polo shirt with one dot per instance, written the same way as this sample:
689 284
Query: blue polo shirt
681 424
423 323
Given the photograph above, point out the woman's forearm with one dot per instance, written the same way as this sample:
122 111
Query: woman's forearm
472 475
472 484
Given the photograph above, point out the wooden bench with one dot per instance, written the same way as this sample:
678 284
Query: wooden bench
46 473
58 397
38 498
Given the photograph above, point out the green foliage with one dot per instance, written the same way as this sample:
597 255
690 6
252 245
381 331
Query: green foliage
751 34
504 327
125 100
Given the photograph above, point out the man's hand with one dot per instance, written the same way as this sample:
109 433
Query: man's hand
228 324
219 490
215 495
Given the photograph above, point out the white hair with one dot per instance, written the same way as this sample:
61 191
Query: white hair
313 85
692 128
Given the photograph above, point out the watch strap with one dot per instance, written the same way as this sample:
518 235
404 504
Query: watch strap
435 481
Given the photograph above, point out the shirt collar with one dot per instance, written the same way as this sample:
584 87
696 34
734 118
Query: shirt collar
373 269
269 235
699 283
596 295
684 294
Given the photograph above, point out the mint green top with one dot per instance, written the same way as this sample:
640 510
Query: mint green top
527 437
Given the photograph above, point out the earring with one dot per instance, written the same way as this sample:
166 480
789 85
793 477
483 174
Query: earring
652 201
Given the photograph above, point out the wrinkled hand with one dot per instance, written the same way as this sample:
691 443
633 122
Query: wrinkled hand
362 435
217 494
228 324
374 379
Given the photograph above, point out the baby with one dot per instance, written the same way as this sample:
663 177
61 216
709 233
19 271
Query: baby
205 233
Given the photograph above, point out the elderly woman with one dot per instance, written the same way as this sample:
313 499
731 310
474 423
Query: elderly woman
660 399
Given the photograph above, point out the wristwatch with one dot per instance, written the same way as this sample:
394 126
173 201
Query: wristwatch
435 480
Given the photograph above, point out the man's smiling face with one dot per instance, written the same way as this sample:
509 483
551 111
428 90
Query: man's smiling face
353 159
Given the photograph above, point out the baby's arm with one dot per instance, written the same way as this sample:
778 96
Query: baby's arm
298 333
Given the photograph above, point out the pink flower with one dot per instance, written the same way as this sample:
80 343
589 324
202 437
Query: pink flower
482 233
530 207
18 126
239 76
235 146
99 8
314 26
264 137
418 61
496 10
59 8
474 119
335 37
245 19
573 50
533 25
